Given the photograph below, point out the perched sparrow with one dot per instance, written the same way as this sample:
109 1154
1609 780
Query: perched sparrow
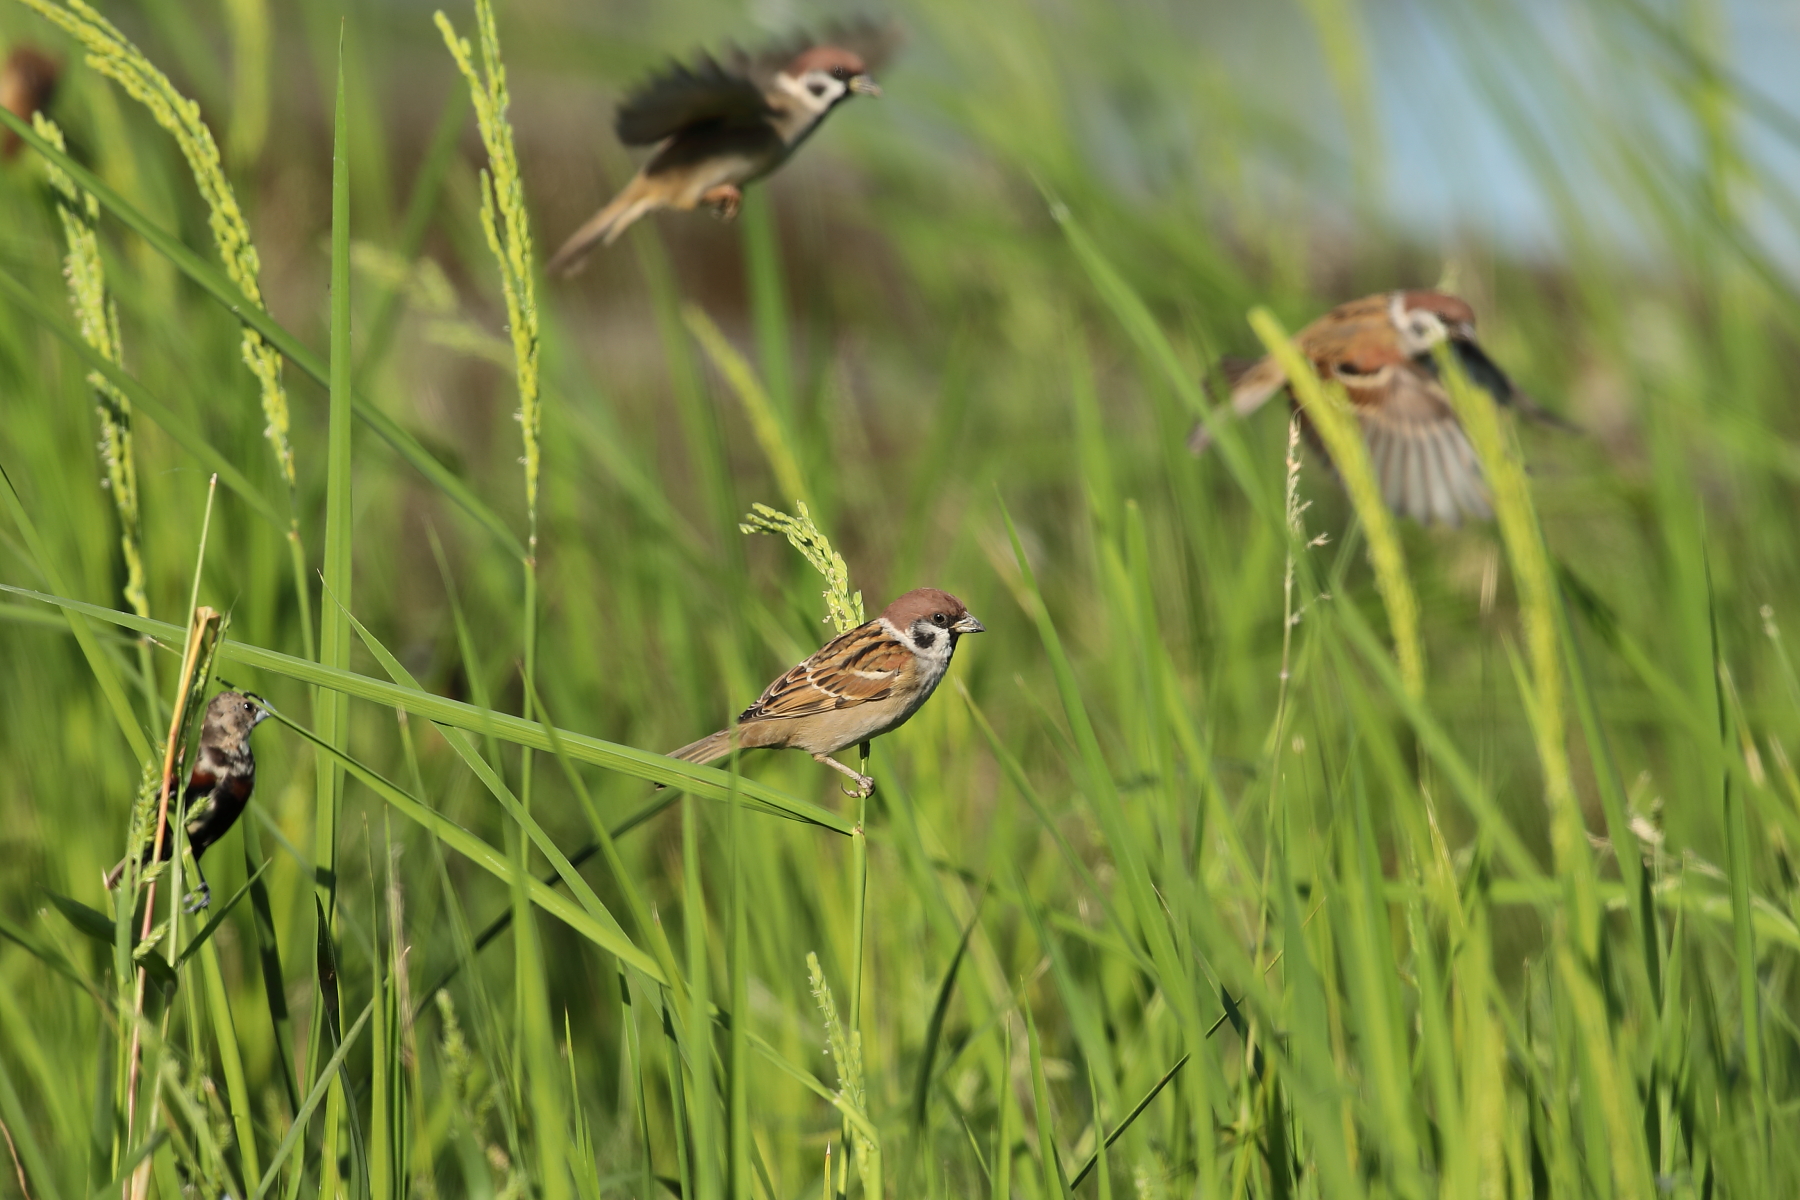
219 788
861 685
1380 349
718 126
27 78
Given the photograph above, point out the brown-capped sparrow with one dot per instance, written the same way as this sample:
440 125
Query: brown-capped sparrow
224 775
718 125
1380 349
862 684
27 80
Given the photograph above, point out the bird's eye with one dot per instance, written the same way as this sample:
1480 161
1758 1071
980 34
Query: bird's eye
939 619
840 73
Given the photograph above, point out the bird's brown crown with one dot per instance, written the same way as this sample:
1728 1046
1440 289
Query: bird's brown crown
833 60
923 604
1451 310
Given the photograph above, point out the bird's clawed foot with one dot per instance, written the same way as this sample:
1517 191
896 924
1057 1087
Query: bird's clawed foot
724 200
864 785
198 899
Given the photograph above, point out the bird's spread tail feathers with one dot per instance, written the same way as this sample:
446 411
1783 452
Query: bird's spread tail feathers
604 227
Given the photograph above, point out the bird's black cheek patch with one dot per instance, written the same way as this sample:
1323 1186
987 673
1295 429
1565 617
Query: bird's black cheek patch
924 639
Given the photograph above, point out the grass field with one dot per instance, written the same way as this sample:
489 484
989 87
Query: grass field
1209 872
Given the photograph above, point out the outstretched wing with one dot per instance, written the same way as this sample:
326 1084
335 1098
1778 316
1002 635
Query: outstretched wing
685 97
711 92
856 667
1422 458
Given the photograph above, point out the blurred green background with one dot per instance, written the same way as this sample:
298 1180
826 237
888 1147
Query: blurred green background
1167 830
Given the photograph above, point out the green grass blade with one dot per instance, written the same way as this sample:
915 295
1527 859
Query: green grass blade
216 285
98 662
332 709
213 920
772 432
268 953
1137 1110
231 1059
428 188
1743 932
143 402
657 939
737 1108
493 861
327 1078
768 303
934 1028
708 782
1055 1181
702 1104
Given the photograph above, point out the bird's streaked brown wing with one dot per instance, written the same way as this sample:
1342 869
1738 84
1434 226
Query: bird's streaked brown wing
685 97
1422 458
859 666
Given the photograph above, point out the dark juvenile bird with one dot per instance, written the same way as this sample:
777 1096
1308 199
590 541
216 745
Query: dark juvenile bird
861 684
1380 348
27 81
219 787
718 126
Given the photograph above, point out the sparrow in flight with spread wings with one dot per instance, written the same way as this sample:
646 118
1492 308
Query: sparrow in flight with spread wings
1380 348
718 126
862 684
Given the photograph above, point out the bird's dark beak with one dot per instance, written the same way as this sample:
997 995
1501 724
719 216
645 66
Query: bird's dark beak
968 625
864 85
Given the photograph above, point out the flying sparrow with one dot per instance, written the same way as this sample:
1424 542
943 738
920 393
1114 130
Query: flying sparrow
27 79
218 789
862 684
718 126
1380 349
